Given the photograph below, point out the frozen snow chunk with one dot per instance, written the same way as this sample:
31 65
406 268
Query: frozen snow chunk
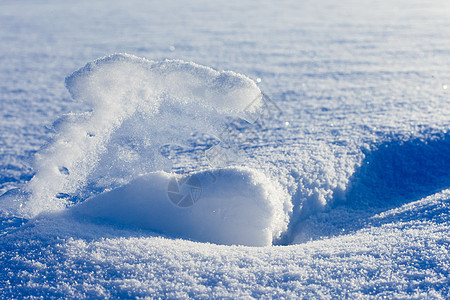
135 106
226 206
120 81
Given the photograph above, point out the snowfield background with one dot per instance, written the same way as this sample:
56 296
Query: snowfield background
340 184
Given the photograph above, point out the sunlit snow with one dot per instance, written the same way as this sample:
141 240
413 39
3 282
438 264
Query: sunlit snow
204 149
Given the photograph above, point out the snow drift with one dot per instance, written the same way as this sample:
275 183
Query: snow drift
135 107
232 206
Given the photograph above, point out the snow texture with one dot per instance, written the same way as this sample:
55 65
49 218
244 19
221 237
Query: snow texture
113 180
135 107
234 206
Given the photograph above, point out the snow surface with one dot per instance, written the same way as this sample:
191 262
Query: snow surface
340 172
236 206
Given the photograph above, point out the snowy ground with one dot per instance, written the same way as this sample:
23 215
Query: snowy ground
344 180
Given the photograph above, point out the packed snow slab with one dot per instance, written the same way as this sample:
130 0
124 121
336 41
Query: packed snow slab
134 107
228 206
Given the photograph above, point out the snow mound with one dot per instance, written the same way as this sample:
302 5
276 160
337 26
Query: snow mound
228 206
135 106
111 155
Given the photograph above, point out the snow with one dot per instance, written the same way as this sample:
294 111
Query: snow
135 107
392 258
233 206
339 175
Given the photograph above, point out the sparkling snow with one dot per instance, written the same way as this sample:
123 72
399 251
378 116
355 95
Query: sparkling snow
340 172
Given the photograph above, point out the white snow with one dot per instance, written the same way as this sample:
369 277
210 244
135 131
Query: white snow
135 107
233 206
340 173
